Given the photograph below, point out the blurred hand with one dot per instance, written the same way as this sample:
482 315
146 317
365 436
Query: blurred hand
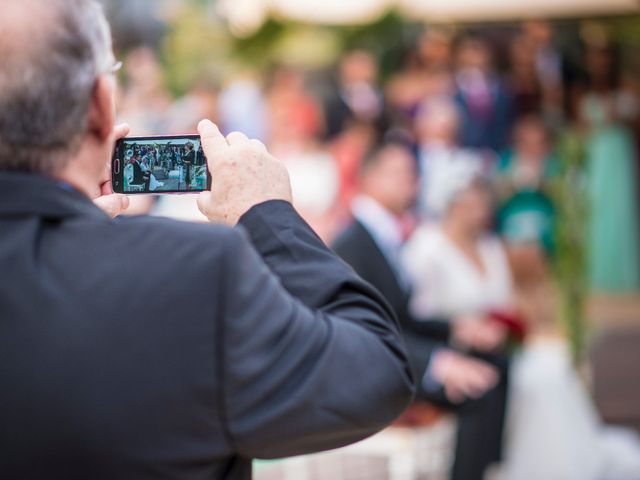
113 204
481 334
463 377
243 174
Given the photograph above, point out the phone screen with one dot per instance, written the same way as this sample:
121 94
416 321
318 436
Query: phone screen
167 164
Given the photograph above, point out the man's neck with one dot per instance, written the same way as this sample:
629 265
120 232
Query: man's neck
79 180
389 210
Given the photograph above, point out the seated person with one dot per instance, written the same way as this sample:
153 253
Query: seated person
459 271
372 246
146 168
458 267
140 174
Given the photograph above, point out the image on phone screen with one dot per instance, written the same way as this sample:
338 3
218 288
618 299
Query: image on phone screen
167 164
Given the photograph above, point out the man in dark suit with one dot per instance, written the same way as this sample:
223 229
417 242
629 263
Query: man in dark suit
140 177
145 348
199 157
188 159
371 245
356 95
484 103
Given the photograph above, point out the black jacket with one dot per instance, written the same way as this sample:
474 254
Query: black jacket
357 247
146 348
138 175
480 422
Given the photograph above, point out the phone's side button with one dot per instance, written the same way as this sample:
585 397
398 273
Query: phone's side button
116 166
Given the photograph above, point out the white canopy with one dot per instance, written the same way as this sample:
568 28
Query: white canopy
248 15
479 10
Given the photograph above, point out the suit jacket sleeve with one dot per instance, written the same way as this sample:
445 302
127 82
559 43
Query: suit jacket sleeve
312 357
421 337
438 329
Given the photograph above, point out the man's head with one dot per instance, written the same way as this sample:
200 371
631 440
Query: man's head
389 175
358 66
56 97
437 122
474 53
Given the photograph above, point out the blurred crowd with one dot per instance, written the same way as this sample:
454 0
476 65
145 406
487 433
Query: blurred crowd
448 170
456 110
147 167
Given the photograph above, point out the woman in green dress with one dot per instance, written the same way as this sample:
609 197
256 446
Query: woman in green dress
613 257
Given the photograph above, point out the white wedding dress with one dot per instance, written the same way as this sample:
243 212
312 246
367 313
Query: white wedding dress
553 431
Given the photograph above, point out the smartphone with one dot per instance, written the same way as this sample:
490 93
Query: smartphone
159 164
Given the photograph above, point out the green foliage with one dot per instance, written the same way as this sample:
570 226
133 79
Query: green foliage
196 47
569 194
387 38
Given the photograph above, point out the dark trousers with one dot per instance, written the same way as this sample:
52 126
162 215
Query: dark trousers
480 427
480 422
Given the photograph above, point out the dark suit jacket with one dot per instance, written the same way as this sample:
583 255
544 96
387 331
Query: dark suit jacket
357 247
145 348
138 175
492 132
480 422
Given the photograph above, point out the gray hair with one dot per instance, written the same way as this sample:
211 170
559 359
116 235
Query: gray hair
47 80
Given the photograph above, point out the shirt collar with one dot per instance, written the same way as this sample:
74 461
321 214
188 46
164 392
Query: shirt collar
381 224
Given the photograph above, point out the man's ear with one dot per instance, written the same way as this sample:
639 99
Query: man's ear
101 110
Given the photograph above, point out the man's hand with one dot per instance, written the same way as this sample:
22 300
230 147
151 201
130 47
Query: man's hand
478 333
243 174
113 204
463 377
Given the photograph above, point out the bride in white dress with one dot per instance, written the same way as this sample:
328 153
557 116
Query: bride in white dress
553 431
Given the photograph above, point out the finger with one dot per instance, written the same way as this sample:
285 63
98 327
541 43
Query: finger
121 130
471 387
258 145
106 188
211 137
453 393
112 205
480 380
106 176
484 343
237 138
203 201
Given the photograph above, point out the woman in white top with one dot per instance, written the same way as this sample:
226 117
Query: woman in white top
457 268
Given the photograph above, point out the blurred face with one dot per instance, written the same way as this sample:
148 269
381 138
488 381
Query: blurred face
435 49
523 55
143 68
473 208
474 55
438 125
531 142
393 181
599 63
359 67
539 31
